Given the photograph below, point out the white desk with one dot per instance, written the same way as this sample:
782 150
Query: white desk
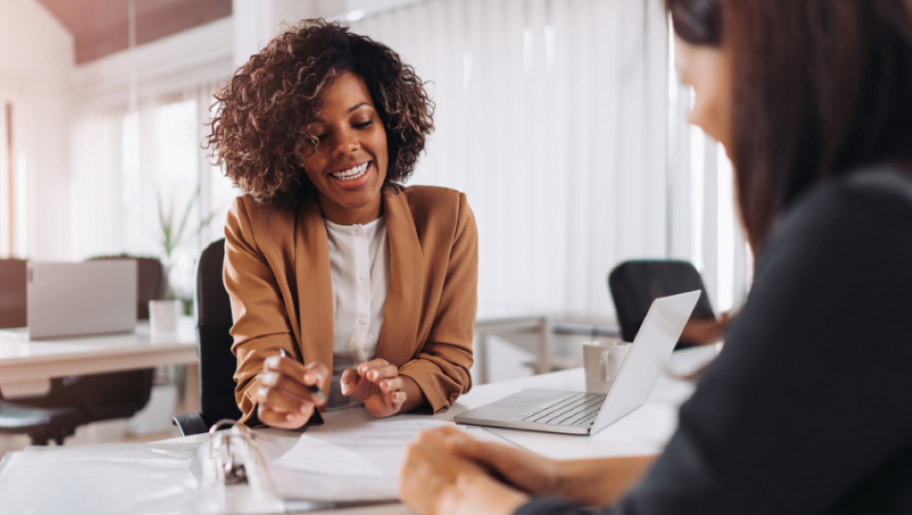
26 368
647 429
644 431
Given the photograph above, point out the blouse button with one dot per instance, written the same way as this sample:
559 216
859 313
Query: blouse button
362 321
363 277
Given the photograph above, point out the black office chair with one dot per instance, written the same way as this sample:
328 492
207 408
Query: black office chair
635 284
77 400
213 346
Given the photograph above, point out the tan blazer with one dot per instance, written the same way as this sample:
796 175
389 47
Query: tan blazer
278 277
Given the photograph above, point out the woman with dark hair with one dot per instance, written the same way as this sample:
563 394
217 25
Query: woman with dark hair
806 410
340 278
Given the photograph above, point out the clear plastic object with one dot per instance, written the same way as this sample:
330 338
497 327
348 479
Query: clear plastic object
102 479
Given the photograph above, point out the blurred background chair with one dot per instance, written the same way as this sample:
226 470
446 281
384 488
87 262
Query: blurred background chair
12 293
77 400
213 344
635 284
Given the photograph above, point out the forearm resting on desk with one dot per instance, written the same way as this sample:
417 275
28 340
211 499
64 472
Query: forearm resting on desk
598 481
447 472
593 482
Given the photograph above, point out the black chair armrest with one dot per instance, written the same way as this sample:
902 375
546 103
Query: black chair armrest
190 424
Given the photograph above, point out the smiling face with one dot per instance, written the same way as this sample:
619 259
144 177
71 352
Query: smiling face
349 164
708 71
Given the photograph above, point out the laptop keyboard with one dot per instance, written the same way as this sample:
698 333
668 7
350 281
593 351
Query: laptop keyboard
573 409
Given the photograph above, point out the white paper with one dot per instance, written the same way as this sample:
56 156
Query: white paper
372 449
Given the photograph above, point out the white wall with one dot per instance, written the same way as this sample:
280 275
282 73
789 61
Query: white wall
36 74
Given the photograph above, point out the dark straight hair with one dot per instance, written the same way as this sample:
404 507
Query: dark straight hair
697 22
821 88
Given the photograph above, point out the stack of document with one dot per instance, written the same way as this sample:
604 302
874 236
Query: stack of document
357 462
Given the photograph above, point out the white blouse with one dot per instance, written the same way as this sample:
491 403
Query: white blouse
359 262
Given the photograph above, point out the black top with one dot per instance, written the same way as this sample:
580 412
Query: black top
808 409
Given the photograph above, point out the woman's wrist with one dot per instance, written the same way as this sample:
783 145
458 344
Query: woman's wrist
476 493
415 397
555 478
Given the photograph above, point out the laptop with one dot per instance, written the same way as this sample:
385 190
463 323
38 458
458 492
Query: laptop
581 413
78 299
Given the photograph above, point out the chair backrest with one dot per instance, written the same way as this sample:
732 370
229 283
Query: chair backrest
213 315
12 293
635 284
151 282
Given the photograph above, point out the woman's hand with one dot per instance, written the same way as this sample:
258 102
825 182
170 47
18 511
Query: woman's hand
435 481
524 470
379 386
705 330
592 482
285 399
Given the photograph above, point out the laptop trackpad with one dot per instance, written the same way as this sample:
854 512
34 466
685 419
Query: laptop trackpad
527 398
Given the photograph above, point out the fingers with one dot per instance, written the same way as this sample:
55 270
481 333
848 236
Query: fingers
281 419
280 400
290 385
391 385
484 452
310 374
395 400
376 370
378 385
487 453
435 438
284 391
348 381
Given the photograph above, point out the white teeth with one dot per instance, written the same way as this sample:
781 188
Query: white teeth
352 173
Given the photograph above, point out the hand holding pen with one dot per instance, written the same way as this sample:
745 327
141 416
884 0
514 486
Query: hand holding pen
289 391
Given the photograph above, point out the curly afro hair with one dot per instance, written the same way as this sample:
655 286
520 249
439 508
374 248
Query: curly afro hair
260 131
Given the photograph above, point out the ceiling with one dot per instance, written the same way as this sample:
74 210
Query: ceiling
101 27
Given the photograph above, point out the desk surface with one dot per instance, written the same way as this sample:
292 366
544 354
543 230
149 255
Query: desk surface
26 367
644 431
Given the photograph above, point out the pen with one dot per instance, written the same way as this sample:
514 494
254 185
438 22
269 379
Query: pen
313 388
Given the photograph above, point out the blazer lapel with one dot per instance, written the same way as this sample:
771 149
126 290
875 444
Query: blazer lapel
314 286
403 307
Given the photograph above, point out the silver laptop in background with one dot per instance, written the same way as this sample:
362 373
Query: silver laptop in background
558 411
77 299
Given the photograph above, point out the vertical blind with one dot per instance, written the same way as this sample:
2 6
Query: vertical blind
139 173
558 118
551 117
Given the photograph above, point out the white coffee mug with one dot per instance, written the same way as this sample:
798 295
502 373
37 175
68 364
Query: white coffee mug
602 361
163 315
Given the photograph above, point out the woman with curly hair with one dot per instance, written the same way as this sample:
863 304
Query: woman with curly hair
341 279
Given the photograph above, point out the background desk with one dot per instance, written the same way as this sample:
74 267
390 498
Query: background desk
26 367
544 328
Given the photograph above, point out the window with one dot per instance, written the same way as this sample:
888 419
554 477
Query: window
145 187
